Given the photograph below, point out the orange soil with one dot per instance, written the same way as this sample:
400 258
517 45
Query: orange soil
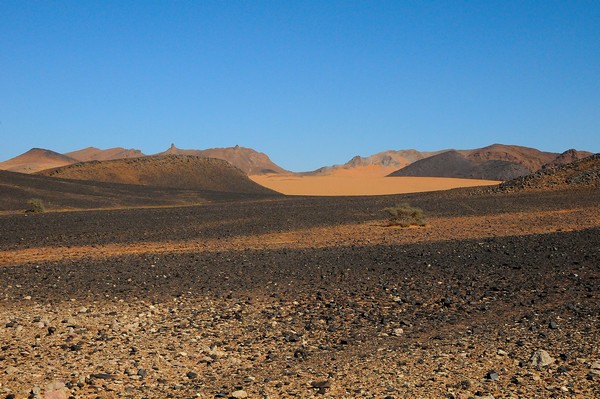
369 233
367 182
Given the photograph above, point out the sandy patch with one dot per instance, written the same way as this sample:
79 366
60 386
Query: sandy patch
361 184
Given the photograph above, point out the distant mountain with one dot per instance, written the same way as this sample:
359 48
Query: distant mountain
96 154
35 160
174 171
385 161
246 159
455 164
494 162
531 158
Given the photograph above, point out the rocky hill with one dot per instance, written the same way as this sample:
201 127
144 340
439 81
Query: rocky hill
568 156
175 171
581 173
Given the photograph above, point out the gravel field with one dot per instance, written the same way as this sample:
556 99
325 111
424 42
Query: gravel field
498 296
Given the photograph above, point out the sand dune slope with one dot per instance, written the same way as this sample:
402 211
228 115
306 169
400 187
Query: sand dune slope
361 184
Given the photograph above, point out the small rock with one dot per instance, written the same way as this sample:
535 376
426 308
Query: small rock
397 332
321 384
56 390
552 325
239 394
292 338
541 358
102 376
595 365
10 370
492 376
191 375
502 352
142 373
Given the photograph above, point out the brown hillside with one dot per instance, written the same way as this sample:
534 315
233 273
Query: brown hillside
175 171
581 173
246 159
35 160
96 154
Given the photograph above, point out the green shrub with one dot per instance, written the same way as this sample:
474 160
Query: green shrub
404 215
35 206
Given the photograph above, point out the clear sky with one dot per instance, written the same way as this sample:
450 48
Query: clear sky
310 83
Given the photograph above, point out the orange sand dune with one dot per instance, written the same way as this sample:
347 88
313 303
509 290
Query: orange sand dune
361 184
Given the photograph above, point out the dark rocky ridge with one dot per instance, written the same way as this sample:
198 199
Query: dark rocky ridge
174 171
580 173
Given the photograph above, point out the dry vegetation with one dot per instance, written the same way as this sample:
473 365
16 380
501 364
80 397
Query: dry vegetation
404 215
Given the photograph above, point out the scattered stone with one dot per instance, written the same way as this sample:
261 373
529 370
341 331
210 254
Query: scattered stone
142 373
56 390
191 375
102 376
541 358
492 376
239 394
292 338
321 384
552 325
397 332
300 354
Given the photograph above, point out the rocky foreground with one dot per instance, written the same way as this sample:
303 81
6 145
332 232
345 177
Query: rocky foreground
498 296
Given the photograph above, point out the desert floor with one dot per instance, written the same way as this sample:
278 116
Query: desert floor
305 297
361 184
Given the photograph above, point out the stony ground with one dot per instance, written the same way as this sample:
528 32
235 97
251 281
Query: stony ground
305 297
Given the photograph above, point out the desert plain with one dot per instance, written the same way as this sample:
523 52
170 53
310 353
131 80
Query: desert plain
300 297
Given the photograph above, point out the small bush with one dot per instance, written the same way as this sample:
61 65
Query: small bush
404 215
35 206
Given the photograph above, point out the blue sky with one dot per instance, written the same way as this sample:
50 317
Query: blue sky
310 83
